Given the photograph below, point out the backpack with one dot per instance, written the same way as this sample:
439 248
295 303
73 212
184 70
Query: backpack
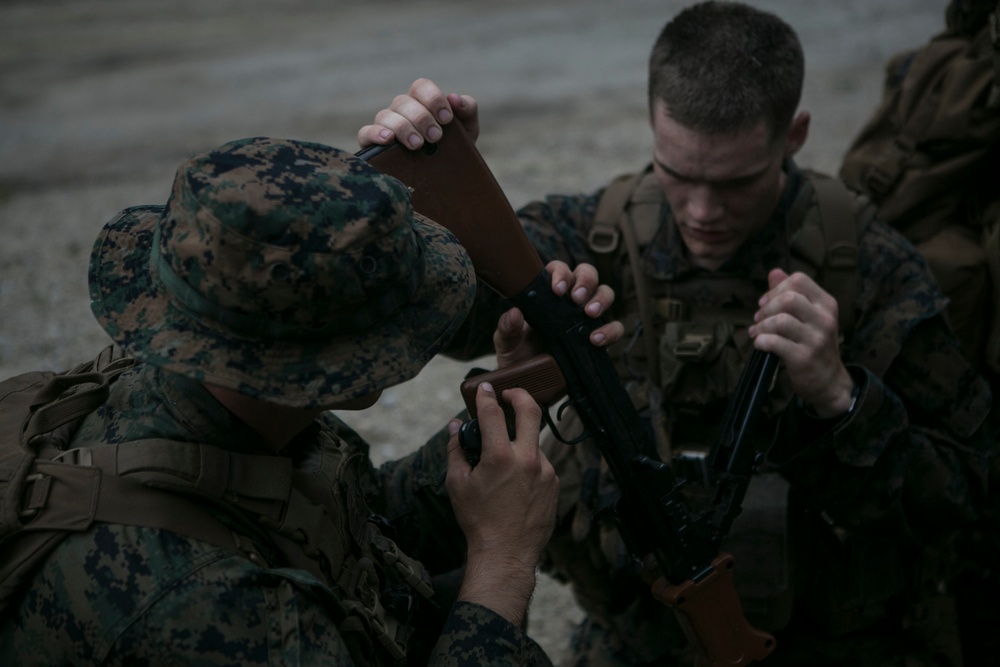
48 492
929 158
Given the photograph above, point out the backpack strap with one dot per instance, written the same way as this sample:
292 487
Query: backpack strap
612 222
839 224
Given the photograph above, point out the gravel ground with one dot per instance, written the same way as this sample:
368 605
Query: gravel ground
101 99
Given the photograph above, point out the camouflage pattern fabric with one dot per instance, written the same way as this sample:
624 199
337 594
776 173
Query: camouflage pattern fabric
122 595
269 259
905 469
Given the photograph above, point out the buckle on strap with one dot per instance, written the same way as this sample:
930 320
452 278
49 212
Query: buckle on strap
35 494
694 347
72 493
603 239
411 571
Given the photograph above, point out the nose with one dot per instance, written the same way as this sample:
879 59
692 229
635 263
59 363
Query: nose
703 204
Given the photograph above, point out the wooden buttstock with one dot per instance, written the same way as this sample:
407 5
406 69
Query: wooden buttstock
451 184
711 614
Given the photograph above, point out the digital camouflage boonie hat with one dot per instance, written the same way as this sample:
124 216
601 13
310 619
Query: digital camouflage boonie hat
291 272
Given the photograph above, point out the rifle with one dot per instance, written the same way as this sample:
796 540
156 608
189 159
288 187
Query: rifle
452 185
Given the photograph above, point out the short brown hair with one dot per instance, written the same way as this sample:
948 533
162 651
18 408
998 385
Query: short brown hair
723 67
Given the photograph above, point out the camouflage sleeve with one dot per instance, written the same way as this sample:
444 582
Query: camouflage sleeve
912 455
557 227
476 636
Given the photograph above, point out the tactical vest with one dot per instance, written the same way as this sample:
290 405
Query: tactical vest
702 321
314 515
681 374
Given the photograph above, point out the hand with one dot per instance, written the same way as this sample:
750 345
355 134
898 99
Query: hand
419 115
797 321
506 505
513 338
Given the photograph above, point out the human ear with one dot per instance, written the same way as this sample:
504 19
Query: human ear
797 133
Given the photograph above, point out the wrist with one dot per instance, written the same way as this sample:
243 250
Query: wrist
503 585
839 409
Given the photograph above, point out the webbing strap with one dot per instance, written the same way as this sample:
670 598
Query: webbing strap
197 468
835 205
66 497
611 221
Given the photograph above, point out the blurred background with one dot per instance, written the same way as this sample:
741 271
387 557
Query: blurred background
100 100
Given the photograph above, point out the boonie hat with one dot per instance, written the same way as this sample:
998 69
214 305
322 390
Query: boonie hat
289 271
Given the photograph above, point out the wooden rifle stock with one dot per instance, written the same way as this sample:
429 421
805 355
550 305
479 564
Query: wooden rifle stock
452 185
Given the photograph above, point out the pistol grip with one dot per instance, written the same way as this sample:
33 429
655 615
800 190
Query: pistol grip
539 376
711 614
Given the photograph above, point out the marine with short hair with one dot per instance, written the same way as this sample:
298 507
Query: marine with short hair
874 440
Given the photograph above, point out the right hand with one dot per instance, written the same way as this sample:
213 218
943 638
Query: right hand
419 115
506 505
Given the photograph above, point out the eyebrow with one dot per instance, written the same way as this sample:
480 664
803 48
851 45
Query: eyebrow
729 181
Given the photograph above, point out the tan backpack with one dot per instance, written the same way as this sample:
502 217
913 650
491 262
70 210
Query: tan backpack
48 492
929 158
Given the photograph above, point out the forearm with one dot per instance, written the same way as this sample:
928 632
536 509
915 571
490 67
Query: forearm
504 586
881 469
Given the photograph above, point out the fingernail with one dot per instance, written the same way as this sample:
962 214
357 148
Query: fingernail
487 387
561 287
444 115
434 133
385 134
593 308
580 293
597 338
453 426
414 140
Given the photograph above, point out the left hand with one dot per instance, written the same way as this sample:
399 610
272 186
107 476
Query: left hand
797 321
513 337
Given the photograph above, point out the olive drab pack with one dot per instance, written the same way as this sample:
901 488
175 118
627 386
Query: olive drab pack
48 491
929 158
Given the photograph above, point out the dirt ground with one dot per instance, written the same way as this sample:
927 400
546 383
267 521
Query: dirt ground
101 99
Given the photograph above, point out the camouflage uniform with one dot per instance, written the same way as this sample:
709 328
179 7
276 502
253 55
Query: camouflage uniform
294 273
131 595
841 571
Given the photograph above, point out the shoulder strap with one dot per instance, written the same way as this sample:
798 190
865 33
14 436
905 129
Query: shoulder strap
840 230
828 240
610 218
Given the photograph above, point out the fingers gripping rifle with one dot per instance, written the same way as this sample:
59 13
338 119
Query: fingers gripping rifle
452 185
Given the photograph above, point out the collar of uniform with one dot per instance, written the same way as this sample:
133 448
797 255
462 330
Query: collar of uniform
196 416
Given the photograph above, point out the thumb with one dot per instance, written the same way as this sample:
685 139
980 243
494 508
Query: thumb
457 463
509 332
775 277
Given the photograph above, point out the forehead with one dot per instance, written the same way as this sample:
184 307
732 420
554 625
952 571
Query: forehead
705 156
